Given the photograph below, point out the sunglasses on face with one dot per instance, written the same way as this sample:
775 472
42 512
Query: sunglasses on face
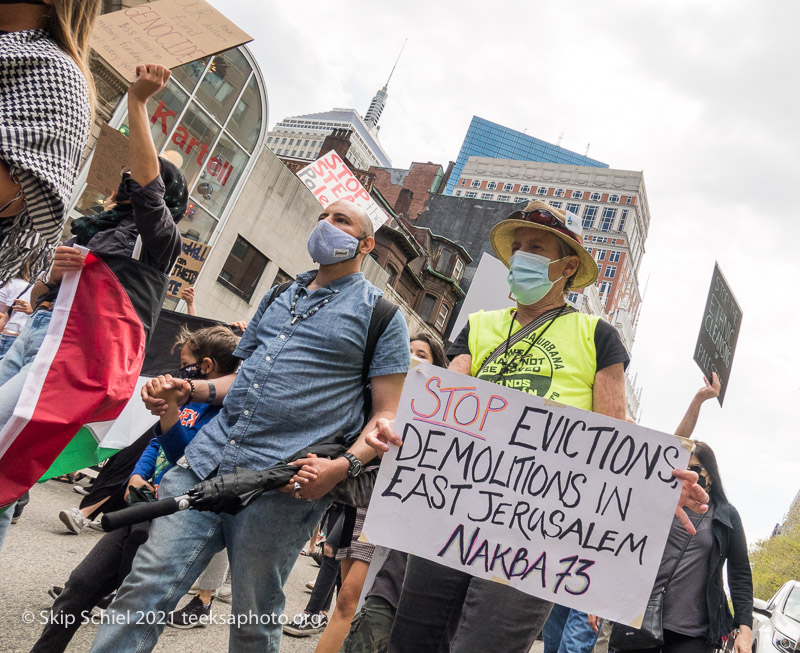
699 469
544 218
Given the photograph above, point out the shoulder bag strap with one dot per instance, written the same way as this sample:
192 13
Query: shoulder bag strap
523 333
683 550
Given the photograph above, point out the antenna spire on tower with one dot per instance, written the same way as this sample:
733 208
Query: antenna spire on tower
379 101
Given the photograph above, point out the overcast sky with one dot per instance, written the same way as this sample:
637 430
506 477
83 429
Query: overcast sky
701 96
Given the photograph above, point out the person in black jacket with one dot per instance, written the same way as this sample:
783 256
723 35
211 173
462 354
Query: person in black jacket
696 614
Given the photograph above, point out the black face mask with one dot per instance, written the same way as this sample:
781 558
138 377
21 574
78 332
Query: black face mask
191 371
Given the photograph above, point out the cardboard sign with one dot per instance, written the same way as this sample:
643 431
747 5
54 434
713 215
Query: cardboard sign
719 332
187 267
330 179
564 504
169 32
109 159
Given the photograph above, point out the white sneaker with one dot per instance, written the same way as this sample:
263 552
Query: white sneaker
80 489
224 591
96 525
73 519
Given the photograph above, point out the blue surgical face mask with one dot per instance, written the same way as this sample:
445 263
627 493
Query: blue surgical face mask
529 277
328 244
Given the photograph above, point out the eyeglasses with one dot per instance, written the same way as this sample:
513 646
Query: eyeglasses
544 218
699 469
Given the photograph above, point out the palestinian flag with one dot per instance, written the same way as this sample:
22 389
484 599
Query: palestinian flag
96 442
87 368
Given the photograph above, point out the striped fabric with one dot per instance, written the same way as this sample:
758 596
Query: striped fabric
45 118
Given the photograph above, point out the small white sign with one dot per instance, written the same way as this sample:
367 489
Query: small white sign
564 504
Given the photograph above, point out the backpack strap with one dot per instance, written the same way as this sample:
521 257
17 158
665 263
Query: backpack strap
382 314
278 291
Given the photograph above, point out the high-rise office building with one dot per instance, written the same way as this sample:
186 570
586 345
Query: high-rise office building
488 139
612 205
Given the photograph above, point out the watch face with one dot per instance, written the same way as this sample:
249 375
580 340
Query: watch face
355 465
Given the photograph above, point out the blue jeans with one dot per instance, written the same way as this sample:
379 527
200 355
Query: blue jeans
5 343
16 364
14 368
568 631
263 541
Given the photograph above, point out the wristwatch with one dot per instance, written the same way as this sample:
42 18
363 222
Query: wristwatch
356 465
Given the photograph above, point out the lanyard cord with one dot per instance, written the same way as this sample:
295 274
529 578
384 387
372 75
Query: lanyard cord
517 356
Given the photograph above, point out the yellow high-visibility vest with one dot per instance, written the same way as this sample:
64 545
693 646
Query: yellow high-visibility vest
561 366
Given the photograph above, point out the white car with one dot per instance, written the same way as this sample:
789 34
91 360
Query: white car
776 623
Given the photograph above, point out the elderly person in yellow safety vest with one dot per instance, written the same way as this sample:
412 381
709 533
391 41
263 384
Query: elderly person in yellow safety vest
545 347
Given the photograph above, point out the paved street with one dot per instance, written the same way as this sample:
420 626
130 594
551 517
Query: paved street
39 553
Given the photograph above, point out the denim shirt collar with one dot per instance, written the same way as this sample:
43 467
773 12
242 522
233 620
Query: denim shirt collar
337 285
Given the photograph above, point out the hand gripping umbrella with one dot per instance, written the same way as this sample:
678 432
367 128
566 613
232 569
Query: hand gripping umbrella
229 493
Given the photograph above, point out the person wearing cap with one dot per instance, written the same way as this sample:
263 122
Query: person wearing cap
544 347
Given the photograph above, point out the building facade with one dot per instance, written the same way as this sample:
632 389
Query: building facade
301 137
408 190
612 205
488 139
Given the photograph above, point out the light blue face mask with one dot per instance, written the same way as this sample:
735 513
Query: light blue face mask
529 277
328 244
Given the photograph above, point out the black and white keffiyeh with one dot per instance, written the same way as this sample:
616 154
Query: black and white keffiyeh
45 118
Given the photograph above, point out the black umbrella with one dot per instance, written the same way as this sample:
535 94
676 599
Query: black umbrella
229 493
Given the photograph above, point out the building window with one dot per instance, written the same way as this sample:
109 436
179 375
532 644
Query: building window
294 152
608 218
614 199
604 287
283 141
542 190
476 183
613 257
611 271
628 200
520 199
305 144
463 182
595 197
444 261
589 249
243 269
572 298
458 270
393 273
622 220
504 198
525 189
426 307
574 208
291 141
458 193
508 187
559 192
491 185
471 194
487 196
577 194
601 255
442 319
589 214
556 205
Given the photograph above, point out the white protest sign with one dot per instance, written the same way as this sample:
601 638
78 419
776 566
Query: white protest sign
561 503
488 291
330 179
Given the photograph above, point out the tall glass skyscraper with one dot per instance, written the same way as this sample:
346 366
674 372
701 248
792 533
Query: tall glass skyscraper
489 139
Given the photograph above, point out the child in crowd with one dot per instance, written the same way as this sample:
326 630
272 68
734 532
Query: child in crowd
207 353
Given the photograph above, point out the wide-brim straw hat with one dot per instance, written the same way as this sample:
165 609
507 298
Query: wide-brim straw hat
569 231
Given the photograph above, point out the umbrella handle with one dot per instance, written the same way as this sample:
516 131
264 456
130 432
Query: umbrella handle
142 512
